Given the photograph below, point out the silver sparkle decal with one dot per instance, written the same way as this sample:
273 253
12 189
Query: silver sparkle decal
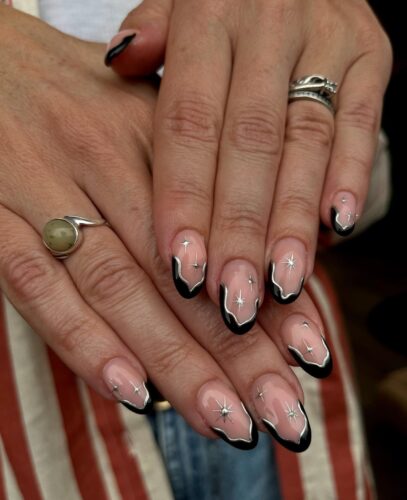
308 348
239 300
228 311
137 389
305 324
304 429
301 355
185 243
218 429
224 410
344 199
196 264
280 288
260 393
251 281
179 272
290 262
291 413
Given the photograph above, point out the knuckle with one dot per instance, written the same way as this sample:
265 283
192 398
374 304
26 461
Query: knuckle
245 217
168 357
194 120
108 279
362 114
309 128
190 191
75 333
228 348
298 205
256 130
28 275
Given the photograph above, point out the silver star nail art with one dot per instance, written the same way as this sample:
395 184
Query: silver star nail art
309 348
251 281
291 413
196 264
290 262
224 411
260 393
239 300
185 243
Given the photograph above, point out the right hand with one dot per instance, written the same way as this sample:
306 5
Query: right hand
76 140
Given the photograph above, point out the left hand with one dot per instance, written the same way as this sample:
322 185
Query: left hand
234 165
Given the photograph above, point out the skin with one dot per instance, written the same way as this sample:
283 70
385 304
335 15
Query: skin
76 139
232 160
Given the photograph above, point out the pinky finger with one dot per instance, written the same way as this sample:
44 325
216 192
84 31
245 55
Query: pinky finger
357 124
42 291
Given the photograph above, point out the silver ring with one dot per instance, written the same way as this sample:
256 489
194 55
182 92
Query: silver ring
62 236
313 88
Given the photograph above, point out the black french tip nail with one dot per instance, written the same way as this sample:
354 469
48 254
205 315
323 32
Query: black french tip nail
314 369
229 318
277 292
337 227
180 284
118 49
240 444
301 445
148 408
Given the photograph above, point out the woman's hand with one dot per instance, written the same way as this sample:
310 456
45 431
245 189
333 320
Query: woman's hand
237 172
75 140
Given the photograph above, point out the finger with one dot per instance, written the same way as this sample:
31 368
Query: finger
294 221
249 157
42 291
297 329
117 289
245 360
139 47
357 124
187 130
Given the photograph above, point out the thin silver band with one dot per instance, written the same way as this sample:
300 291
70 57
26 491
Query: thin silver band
315 88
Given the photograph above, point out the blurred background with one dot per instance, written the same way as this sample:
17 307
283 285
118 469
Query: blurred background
370 274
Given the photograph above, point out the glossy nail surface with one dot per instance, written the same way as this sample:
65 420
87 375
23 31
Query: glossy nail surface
118 44
287 270
281 412
226 415
239 296
343 213
307 346
188 263
127 385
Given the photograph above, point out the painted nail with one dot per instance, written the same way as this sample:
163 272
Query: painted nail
226 415
118 44
127 385
239 296
281 412
287 270
343 213
188 263
307 345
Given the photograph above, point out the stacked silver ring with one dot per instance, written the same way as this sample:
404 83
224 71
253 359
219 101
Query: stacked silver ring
313 88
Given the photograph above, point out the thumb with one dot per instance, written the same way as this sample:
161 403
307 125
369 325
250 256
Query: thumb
139 47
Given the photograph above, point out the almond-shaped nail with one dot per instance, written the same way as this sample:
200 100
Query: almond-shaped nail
281 412
188 263
127 385
307 346
226 415
239 295
118 44
287 270
343 213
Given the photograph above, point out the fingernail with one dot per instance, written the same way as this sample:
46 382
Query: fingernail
226 415
239 296
281 412
287 270
188 263
343 213
307 345
118 44
127 385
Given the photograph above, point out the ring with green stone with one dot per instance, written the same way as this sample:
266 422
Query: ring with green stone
62 236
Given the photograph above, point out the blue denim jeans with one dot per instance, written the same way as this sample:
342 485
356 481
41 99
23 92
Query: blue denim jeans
204 469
